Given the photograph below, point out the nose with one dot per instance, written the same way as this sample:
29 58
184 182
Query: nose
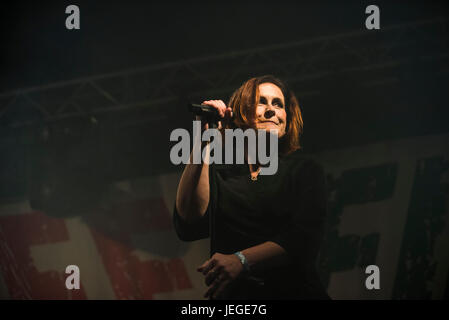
269 113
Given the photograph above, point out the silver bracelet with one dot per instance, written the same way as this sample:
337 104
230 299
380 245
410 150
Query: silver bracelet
243 260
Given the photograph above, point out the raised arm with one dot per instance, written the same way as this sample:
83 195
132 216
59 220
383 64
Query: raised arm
192 195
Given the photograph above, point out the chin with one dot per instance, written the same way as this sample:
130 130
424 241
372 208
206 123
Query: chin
267 128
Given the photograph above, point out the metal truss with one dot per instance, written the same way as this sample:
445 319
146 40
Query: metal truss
302 63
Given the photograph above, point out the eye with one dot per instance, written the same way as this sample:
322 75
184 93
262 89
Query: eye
262 100
278 103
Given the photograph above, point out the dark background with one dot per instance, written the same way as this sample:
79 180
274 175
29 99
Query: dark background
377 85
116 35
409 99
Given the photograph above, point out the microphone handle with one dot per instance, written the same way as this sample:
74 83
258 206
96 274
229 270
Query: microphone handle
207 112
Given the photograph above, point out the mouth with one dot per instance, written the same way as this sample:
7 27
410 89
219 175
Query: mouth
269 122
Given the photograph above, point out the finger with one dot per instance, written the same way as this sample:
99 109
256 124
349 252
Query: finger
228 114
204 265
222 106
212 275
220 289
231 113
217 105
199 118
209 264
222 103
212 287
217 288
227 118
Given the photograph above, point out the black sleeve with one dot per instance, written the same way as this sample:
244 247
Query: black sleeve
301 237
190 231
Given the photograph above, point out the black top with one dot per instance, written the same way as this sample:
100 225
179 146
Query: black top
288 208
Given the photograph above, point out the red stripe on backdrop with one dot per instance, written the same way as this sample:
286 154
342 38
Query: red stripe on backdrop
18 233
112 231
132 278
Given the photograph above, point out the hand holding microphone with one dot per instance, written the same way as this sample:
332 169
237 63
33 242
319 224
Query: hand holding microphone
211 112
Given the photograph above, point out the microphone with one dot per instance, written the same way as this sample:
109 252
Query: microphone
209 113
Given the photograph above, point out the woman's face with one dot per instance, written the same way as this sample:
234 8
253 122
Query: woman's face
270 111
